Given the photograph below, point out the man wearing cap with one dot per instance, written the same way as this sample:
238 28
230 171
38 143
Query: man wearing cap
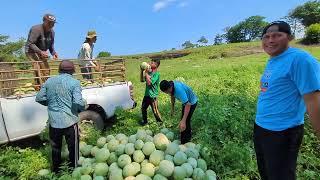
41 39
62 95
289 86
85 55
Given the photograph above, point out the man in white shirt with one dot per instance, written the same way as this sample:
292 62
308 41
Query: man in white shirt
85 55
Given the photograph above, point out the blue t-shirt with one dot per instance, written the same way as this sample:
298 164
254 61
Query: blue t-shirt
286 78
184 93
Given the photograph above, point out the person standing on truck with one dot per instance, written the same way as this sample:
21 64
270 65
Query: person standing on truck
152 78
62 95
85 55
189 100
41 39
289 86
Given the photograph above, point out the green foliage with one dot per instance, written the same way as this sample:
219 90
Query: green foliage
11 51
312 35
188 44
21 163
203 40
247 30
295 24
218 39
104 54
308 13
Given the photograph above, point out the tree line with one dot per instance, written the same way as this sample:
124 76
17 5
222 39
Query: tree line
305 17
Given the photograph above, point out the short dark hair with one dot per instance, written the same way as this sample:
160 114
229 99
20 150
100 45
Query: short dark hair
165 85
66 66
283 27
156 61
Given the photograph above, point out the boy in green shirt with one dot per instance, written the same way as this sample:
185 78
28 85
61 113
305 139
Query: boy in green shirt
152 78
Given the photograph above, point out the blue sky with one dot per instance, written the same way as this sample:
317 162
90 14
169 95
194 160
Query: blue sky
134 26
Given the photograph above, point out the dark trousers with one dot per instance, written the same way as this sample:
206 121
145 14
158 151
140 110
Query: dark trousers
148 101
277 152
71 135
185 136
86 70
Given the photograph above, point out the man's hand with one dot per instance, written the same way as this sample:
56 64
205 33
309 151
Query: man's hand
44 54
182 125
55 56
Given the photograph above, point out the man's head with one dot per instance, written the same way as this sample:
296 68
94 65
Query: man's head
166 86
91 36
66 66
276 37
48 21
155 63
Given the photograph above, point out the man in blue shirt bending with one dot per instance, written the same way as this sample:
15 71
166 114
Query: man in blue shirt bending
189 100
289 86
62 95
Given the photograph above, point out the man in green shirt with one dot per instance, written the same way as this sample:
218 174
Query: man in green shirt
152 78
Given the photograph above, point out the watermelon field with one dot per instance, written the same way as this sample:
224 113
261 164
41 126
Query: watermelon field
226 81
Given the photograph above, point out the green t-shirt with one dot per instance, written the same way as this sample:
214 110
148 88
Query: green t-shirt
153 90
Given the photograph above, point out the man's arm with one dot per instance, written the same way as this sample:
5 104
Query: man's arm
312 101
78 102
32 39
173 100
51 48
141 75
148 78
41 97
182 124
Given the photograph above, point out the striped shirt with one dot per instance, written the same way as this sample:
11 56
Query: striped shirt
62 95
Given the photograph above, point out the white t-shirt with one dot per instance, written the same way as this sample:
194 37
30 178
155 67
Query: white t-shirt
85 55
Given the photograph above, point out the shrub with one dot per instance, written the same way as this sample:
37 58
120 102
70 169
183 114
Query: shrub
312 34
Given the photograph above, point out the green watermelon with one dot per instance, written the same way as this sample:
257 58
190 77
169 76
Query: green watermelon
161 141
166 168
101 169
148 169
101 142
148 148
102 155
180 158
138 156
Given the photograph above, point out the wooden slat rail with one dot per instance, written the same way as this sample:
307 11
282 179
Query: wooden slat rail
14 78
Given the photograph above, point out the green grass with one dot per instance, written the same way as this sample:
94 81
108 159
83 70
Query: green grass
223 121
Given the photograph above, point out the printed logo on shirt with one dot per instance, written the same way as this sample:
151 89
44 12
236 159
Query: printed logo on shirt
264 83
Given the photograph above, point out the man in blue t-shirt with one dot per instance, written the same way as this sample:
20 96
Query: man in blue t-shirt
189 100
289 86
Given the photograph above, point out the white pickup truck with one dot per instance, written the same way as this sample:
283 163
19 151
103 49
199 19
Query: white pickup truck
22 117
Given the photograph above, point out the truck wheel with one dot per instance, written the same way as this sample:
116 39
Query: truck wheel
94 117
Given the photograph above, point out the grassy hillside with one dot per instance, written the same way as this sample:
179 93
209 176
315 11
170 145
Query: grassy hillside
226 80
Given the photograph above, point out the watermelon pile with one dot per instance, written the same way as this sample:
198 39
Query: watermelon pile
142 156
25 89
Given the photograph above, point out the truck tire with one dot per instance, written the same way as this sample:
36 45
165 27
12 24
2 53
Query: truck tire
94 117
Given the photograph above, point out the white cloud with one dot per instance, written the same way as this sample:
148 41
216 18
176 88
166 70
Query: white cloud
161 4
183 4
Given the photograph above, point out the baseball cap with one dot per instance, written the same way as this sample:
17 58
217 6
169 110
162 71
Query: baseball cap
49 17
277 26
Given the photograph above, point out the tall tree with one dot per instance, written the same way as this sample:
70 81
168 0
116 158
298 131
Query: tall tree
188 44
203 40
308 13
295 24
247 30
218 39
